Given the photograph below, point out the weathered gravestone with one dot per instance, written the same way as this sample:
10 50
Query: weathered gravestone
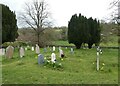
45 49
53 58
37 49
61 53
22 52
53 48
72 51
32 48
40 59
9 51
2 51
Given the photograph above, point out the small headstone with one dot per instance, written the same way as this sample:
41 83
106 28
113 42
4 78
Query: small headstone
59 48
53 58
22 52
2 51
9 51
37 49
71 50
45 49
53 48
32 48
40 59
65 47
61 53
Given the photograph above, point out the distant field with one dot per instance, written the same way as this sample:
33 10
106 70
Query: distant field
79 68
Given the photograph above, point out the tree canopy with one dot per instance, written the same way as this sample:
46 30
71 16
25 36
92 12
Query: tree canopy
83 30
9 25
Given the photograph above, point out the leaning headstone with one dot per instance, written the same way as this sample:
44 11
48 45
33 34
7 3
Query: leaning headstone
53 58
71 50
22 52
37 49
40 59
32 48
9 51
53 48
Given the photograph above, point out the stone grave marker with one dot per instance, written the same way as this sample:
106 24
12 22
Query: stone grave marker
53 48
40 59
53 58
32 48
45 49
9 51
59 48
37 49
22 52
61 53
2 51
72 51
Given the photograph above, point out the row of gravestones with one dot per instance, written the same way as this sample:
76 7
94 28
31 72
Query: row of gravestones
10 51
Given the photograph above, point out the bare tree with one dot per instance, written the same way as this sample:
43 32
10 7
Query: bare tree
36 16
116 12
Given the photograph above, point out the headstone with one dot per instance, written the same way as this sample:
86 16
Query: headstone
72 51
9 51
59 48
32 48
40 59
61 53
2 51
53 48
45 49
37 49
22 52
53 58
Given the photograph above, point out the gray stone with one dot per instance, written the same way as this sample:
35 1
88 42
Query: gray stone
22 52
37 49
9 51
40 59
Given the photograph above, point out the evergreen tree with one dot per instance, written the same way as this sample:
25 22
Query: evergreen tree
9 25
83 30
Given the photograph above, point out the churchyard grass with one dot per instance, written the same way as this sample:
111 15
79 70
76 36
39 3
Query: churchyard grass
78 68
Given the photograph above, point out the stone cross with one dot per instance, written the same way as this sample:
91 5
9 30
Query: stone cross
22 52
9 51
53 58
40 59
37 49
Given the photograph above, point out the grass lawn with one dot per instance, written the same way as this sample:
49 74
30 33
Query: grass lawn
77 68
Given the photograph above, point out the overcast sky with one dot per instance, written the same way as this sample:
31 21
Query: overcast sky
62 10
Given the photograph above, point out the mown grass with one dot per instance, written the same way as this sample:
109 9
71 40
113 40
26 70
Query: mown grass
77 68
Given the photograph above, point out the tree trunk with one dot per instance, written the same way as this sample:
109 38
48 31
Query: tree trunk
38 39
